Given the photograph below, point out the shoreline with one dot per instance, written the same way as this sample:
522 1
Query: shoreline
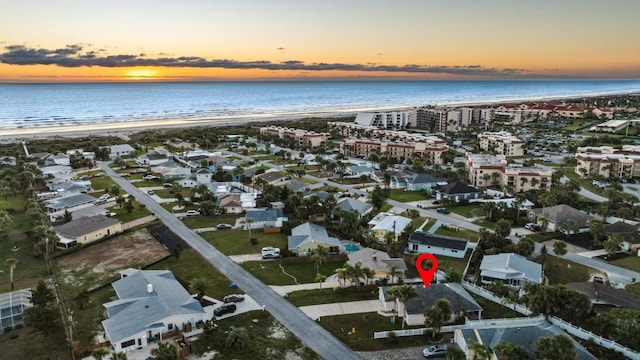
125 128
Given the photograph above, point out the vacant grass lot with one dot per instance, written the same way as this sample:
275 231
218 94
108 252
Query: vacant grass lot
445 263
205 221
101 183
236 242
468 211
270 273
406 196
631 263
365 325
561 271
124 216
328 296
462 233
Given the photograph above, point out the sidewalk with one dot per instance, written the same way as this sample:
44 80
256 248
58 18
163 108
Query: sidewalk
136 222
316 312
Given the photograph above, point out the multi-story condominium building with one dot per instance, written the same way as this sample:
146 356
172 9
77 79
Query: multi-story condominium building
501 142
490 170
430 152
372 132
299 136
394 120
442 119
545 110
608 162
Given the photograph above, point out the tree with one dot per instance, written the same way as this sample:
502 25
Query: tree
99 353
510 351
165 351
525 247
403 293
455 353
5 219
437 316
83 299
237 337
42 295
319 255
320 278
378 196
342 274
503 228
395 272
119 356
569 226
620 325
11 263
596 228
612 244
559 248
249 221
199 285
557 347
479 351
128 205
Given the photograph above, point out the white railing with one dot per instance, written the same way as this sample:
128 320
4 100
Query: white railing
480 291
588 335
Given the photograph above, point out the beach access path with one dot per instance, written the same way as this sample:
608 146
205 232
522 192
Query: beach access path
309 332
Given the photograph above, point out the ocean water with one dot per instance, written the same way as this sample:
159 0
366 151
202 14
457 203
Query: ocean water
36 105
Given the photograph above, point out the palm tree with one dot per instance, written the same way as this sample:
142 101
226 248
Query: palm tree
119 356
12 263
99 353
249 221
557 347
199 285
237 337
356 272
479 351
368 274
559 248
165 351
403 293
320 278
510 351
320 255
393 271
342 274
437 315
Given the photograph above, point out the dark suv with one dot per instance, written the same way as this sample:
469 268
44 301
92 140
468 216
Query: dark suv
443 210
226 308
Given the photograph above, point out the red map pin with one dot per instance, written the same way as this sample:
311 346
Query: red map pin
426 275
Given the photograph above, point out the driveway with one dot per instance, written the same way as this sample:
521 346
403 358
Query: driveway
316 312
311 334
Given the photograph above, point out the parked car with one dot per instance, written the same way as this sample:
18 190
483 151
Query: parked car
443 210
149 177
270 249
435 351
436 202
104 197
532 227
270 255
598 279
226 308
223 226
233 298
167 185
151 192
193 213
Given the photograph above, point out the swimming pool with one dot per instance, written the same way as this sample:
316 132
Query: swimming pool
351 247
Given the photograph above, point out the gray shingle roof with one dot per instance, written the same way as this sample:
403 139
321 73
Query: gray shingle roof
607 294
263 215
348 204
308 232
457 188
70 201
510 266
296 185
86 225
138 310
424 238
427 297
562 212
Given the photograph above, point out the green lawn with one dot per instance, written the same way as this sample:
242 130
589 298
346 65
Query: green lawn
415 223
492 310
543 236
461 233
445 263
197 222
236 242
561 271
136 213
634 288
269 272
470 210
365 325
328 296
101 183
485 223
406 196
631 263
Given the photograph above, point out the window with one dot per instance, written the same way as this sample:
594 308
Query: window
127 343
170 326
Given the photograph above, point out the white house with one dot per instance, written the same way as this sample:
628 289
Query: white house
121 150
422 242
150 303
511 269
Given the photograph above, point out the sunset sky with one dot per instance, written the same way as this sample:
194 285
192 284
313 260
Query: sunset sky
147 40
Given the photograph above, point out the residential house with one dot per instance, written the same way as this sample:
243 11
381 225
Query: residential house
176 173
12 305
203 176
56 207
521 332
150 303
306 238
87 229
271 177
511 269
261 218
421 242
393 225
556 215
605 298
459 298
91 210
236 203
152 158
378 261
457 191
296 185
56 174
627 232
357 171
418 182
71 187
121 151
349 204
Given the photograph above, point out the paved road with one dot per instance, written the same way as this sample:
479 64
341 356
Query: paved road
311 334
586 193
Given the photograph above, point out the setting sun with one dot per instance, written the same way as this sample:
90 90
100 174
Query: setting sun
142 74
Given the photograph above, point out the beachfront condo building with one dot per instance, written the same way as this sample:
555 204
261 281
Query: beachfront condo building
372 132
609 162
430 152
300 137
394 120
493 171
501 143
443 119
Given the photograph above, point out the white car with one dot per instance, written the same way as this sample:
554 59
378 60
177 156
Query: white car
149 177
193 213
270 249
104 197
